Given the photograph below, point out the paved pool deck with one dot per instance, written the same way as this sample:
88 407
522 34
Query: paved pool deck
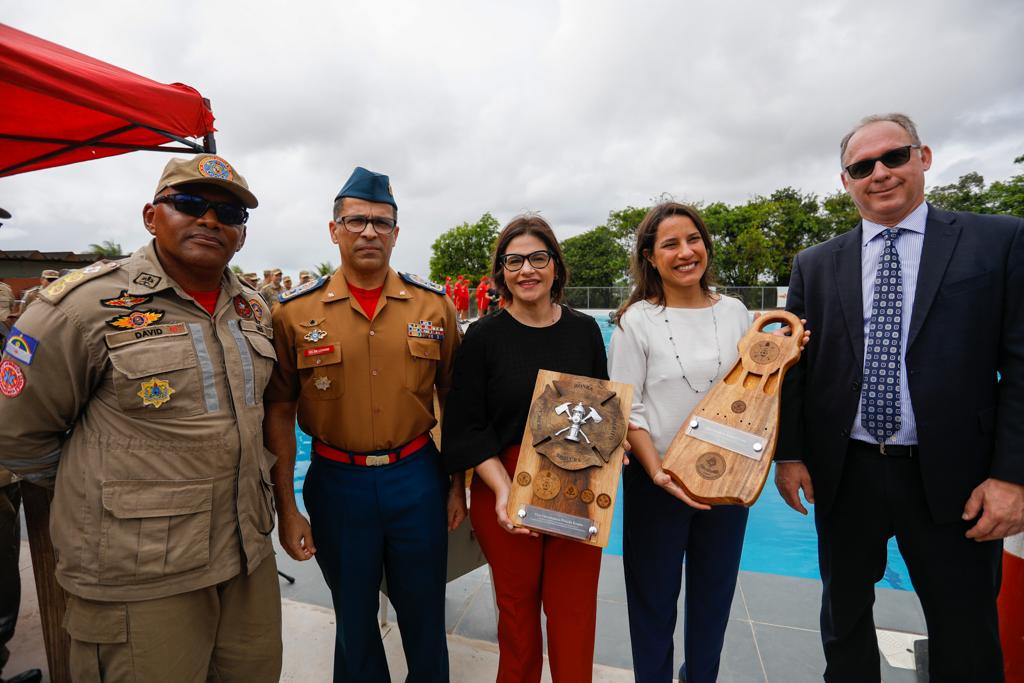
772 634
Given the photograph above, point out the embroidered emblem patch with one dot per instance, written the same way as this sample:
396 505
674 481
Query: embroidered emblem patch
215 167
135 320
21 346
315 335
322 383
147 280
124 300
155 392
12 379
318 351
425 329
56 288
242 307
257 310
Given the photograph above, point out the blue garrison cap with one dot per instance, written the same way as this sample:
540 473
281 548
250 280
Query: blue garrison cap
373 187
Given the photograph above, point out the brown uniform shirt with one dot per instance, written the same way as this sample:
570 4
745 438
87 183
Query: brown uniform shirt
271 291
6 301
163 484
364 385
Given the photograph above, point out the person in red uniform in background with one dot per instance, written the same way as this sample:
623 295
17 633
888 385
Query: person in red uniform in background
482 299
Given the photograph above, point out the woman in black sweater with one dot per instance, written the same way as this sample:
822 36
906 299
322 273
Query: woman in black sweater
485 415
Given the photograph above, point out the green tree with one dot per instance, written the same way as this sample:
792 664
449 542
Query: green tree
325 268
966 194
595 258
465 250
108 249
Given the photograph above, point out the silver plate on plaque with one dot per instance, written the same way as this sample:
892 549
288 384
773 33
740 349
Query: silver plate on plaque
560 523
724 436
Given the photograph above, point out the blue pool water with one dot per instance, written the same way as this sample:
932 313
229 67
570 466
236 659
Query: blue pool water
778 541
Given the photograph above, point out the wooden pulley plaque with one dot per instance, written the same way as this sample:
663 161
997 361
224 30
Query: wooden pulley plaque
571 457
723 452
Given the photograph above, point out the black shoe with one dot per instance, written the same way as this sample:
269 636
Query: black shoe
30 676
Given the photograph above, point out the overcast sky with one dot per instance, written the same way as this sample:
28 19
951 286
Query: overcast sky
571 108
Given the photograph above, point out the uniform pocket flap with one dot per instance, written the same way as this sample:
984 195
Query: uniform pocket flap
316 356
143 360
89 622
263 346
139 499
425 348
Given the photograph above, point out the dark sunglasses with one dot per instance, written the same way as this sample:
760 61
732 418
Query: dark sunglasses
513 262
894 158
196 206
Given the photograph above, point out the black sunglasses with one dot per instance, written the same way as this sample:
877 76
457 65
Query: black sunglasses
196 206
513 262
894 158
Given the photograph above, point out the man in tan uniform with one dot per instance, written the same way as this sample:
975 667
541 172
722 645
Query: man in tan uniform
273 289
360 355
47 277
137 384
6 308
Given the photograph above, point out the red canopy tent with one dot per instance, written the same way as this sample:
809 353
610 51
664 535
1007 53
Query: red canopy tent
60 107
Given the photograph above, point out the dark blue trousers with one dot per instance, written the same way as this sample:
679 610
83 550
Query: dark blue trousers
659 531
370 522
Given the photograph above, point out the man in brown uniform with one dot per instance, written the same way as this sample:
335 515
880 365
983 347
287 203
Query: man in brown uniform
273 289
137 385
47 277
360 354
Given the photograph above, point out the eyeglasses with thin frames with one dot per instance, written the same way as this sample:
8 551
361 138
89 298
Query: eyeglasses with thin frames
513 262
381 225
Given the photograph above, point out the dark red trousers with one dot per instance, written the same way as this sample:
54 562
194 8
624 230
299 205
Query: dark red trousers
530 572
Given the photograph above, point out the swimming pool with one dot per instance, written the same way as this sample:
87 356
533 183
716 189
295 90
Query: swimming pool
778 539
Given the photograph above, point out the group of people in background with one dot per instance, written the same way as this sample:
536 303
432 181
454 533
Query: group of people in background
169 430
487 297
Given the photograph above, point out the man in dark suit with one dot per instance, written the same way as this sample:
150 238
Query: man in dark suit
893 422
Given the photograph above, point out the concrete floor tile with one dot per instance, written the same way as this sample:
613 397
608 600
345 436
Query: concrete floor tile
611 643
790 655
740 660
898 611
478 621
782 600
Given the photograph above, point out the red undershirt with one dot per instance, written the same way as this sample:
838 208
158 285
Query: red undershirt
208 300
367 298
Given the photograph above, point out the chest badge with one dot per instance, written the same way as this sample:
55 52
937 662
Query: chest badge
257 310
425 329
125 300
322 383
315 335
155 392
242 307
12 379
135 320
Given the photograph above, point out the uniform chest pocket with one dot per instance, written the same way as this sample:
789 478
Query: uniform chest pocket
152 529
158 379
262 360
321 371
421 364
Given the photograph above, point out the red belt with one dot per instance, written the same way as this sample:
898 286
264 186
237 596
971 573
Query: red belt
371 460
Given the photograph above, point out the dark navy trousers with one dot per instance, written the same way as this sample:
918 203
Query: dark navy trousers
370 522
659 531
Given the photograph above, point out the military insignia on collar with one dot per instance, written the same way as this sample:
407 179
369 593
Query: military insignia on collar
315 335
21 346
155 392
322 383
124 300
215 167
242 307
135 320
425 329
147 280
12 379
422 283
257 310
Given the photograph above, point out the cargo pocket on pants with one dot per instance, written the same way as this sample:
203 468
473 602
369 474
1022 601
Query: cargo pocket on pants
90 626
153 529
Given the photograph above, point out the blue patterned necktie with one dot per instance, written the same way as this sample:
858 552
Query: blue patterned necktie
880 401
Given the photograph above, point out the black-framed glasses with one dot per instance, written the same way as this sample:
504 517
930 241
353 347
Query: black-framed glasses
894 158
513 262
381 224
196 206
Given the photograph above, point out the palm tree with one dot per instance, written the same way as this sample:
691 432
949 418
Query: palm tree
324 268
108 249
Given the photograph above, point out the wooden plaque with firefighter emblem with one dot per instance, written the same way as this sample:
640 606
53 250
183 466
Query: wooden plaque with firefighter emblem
571 457
723 452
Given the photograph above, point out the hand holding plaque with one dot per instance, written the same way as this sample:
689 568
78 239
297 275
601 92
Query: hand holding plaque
724 450
571 456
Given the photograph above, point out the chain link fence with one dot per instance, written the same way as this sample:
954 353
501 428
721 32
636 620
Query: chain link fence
754 298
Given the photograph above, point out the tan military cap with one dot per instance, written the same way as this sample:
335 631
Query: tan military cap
49 274
210 169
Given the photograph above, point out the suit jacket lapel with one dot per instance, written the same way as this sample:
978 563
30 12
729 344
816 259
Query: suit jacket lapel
846 260
940 237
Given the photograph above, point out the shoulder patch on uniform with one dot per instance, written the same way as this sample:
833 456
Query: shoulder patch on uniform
422 283
60 287
305 288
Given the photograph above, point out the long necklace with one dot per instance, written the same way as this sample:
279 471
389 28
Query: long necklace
675 351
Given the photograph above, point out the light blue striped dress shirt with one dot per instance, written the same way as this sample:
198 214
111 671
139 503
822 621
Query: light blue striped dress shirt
908 246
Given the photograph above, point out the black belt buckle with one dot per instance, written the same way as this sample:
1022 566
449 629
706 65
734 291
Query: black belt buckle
897 450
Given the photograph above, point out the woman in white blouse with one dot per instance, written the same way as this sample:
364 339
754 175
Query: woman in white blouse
675 339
